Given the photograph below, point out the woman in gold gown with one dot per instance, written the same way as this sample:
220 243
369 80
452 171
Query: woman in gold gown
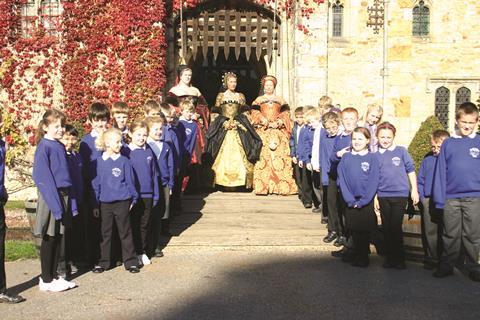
273 172
232 143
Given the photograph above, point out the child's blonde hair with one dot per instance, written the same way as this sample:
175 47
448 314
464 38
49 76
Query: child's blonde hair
187 105
150 121
119 107
151 105
371 107
100 141
324 102
330 117
311 113
137 124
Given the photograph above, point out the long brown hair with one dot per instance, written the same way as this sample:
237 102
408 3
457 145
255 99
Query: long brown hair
48 117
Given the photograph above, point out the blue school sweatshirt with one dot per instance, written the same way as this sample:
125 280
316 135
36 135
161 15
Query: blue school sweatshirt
395 165
294 140
342 141
115 180
3 154
75 168
89 154
190 128
145 171
163 151
305 143
50 172
425 176
457 174
326 148
170 135
358 177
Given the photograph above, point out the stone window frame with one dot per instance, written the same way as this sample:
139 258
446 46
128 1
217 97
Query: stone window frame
453 84
346 21
339 15
45 12
429 5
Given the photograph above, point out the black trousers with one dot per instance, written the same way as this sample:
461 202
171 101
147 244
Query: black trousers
158 218
431 230
317 189
308 195
392 210
140 218
297 174
117 212
361 244
333 203
92 229
461 226
3 231
324 201
49 256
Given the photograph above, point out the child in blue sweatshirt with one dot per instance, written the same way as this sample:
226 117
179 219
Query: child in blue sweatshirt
304 156
298 125
331 127
397 180
457 191
431 217
342 145
73 252
119 114
56 201
164 155
175 137
191 130
98 118
5 297
358 179
145 170
115 195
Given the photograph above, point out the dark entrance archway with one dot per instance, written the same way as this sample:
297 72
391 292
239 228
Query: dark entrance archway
234 35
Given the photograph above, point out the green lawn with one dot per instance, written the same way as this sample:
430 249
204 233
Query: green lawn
15 204
15 250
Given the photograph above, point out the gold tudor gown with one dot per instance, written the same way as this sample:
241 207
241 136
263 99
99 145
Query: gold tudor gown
234 151
273 172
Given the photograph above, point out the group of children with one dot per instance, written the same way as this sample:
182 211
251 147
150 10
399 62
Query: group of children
117 193
113 199
361 181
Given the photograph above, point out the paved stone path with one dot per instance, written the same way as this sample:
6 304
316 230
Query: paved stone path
238 256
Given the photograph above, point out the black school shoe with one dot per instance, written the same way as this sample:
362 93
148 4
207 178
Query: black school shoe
341 241
134 269
443 272
307 205
10 298
98 269
332 235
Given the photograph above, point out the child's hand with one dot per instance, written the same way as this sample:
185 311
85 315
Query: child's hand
300 164
131 206
294 160
170 191
376 204
415 197
309 167
343 151
96 213
316 170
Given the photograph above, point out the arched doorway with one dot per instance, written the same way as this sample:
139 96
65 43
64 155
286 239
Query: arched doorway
235 35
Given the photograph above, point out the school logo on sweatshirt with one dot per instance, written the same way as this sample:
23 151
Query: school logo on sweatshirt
365 166
474 152
116 172
396 161
188 131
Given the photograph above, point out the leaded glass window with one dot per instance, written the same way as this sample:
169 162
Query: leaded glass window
442 101
463 95
337 19
28 14
421 20
50 15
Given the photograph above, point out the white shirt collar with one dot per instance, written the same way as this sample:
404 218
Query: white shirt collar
114 157
360 153
135 147
391 148
457 135
94 133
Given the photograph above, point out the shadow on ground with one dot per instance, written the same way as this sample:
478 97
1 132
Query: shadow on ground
326 288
